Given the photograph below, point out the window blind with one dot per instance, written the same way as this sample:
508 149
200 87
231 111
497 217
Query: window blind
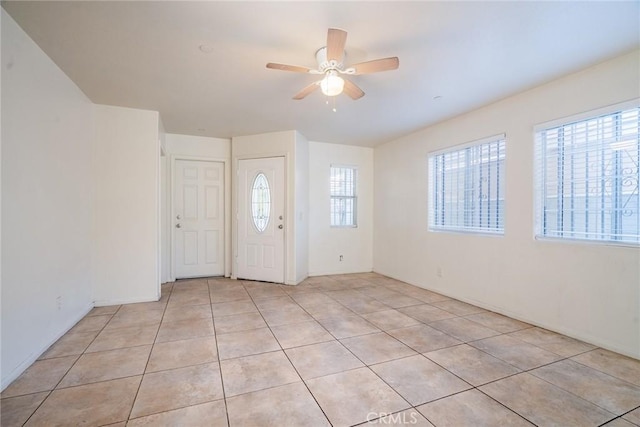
342 185
587 178
466 188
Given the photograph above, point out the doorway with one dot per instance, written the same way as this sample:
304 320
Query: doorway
261 222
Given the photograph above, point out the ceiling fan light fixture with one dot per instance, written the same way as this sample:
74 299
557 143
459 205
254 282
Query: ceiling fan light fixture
332 84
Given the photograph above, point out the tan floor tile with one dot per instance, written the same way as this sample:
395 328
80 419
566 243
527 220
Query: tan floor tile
312 298
419 380
178 354
616 365
518 353
177 388
322 359
110 339
91 323
299 334
423 338
265 291
608 392
323 311
276 303
350 397
125 318
107 365
287 405
257 372
190 285
458 308
426 313
96 404
347 326
471 364
498 322
245 343
550 341
233 307
425 295
285 317
463 329
410 417
161 304
545 404
376 348
238 322
42 375
364 306
70 344
228 294
192 416
619 422
99 311
390 319
192 297
15 411
633 416
471 408
185 329
399 301
187 312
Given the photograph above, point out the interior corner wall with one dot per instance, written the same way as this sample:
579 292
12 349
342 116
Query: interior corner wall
327 244
588 291
302 207
126 219
47 128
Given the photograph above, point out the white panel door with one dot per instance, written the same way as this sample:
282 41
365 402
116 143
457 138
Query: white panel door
198 218
261 195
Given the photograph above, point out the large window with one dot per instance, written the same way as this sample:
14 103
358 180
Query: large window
342 184
587 177
466 187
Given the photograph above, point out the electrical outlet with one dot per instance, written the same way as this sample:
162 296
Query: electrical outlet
341 258
59 302
439 271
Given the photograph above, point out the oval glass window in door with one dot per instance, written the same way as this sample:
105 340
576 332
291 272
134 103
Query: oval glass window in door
260 202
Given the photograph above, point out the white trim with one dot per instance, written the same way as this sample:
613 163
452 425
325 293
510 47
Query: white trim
586 115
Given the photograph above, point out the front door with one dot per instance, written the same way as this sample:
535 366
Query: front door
261 190
198 218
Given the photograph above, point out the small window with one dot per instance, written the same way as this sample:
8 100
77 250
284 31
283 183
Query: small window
260 202
466 188
587 177
342 184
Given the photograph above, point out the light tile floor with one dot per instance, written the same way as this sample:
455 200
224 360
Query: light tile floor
335 350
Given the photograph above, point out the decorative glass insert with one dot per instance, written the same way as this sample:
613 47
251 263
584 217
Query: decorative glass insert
260 202
587 177
342 185
466 187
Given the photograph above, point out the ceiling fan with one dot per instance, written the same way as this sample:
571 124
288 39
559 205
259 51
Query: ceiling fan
330 64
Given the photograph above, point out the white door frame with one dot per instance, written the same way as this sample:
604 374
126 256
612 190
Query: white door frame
226 210
289 218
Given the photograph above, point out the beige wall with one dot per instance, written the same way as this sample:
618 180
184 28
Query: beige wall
588 291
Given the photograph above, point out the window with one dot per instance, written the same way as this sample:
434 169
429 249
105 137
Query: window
587 177
342 184
466 187
260 202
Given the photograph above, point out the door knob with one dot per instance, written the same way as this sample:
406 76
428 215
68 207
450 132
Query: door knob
281 226
178 225
178 216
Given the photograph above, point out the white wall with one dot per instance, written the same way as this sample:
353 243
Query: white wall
47 127
588 291
326 244
126 220
302 207
194 148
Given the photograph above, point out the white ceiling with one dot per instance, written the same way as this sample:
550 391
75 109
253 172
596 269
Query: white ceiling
146 54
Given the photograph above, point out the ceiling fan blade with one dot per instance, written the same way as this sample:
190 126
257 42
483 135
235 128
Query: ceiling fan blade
336 40
352 90
284 67
307 90
376 65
